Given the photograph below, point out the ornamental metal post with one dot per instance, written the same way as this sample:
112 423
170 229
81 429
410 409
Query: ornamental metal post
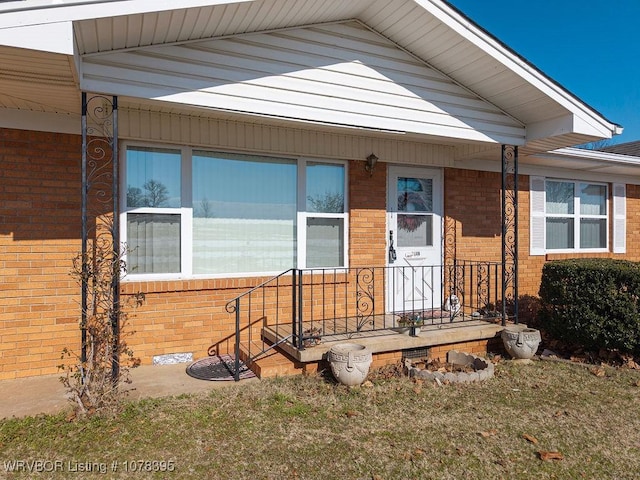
100 206
451 273
509 230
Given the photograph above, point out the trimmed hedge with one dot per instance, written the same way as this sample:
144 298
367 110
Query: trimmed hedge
593 303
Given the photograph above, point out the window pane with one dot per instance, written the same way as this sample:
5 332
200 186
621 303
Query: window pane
415 230
325 188
325 242
559 197
153 177
244 213
153 243
560 233
593 199
415 195
593 233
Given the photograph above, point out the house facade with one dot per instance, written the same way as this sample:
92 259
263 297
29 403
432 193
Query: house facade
249 139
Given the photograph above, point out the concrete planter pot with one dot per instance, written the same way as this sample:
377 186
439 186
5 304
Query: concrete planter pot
521 343
350 363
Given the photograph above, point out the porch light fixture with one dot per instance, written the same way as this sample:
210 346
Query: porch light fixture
371 162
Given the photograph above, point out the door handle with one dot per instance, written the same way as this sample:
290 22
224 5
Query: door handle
392 251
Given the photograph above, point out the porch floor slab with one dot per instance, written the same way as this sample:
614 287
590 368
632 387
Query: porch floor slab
390 340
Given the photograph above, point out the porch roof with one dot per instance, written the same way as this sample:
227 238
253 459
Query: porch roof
47 76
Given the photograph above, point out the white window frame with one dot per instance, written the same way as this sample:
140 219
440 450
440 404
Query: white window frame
303 215
539 216
186 213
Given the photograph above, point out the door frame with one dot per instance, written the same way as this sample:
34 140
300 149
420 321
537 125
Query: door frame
437 174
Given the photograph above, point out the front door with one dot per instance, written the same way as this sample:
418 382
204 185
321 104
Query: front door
414 239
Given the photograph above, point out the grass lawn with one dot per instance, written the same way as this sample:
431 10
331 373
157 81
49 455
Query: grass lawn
392 428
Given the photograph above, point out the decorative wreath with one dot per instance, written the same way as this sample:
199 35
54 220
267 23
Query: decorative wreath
410 223
409 201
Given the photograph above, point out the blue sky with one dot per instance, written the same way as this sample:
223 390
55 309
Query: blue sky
591 47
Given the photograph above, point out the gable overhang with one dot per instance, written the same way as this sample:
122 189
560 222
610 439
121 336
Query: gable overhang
570 162
431 31
591 162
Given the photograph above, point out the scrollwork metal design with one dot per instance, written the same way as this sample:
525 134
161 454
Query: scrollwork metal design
450 236
509 231
365 298
454 275
100 202
483 288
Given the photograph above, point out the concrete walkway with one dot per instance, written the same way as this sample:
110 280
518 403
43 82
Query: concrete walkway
45 394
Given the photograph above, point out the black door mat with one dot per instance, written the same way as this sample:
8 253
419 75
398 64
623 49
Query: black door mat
218 368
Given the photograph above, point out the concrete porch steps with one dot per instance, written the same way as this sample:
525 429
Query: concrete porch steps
390 340
274 363
287 360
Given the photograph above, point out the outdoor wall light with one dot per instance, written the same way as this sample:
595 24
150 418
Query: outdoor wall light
371 162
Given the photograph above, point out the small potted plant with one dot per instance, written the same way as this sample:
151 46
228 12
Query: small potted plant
312 337
409 324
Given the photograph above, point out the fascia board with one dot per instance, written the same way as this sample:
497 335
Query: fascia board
595 155
471 32
550 128
54 12
48 37
40 121
566 124
526 166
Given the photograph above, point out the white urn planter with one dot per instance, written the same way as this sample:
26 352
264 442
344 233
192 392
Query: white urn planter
350 363
521 343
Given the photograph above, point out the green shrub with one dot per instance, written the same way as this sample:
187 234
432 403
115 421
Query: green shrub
592 303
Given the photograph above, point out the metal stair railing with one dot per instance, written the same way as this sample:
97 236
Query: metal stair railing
303 307
253 308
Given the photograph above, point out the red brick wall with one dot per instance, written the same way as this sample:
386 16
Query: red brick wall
367 215
39 235
472 199
189 316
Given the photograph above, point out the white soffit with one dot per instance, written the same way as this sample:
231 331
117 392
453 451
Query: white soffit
432 30
37 81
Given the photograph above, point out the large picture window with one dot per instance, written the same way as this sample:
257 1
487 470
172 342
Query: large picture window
576 215
244 214
195 212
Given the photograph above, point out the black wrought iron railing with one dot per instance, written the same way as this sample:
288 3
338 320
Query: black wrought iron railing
304 306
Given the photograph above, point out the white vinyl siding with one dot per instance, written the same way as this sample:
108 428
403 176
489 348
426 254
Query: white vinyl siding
335 74
145 125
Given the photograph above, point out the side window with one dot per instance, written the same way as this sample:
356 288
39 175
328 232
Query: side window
153 200
570 216
325 215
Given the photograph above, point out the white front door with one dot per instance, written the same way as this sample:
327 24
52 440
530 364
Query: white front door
414 239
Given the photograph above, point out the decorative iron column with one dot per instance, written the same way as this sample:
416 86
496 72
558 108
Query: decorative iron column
100 206
452 280
509 231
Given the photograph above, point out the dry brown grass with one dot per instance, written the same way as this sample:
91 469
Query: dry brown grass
545 420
